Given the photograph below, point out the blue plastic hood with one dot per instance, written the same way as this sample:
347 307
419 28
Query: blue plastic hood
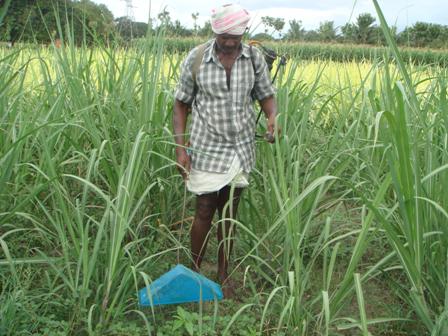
179 285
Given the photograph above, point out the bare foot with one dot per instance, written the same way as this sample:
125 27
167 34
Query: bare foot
228 292
228 288
195 267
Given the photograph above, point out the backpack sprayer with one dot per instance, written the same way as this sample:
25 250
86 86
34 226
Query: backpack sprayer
270 56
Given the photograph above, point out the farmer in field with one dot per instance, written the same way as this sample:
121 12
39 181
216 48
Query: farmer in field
219 91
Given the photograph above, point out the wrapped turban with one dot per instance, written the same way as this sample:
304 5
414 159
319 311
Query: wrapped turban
229 19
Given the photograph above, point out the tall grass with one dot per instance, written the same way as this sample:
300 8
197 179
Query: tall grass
417 161
81 176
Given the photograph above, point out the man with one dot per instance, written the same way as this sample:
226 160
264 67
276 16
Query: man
222 133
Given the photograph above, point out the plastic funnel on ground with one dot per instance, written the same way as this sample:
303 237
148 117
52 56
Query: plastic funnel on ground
179 285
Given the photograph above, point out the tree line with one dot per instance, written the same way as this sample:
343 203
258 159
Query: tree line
82 21
363 31
43 21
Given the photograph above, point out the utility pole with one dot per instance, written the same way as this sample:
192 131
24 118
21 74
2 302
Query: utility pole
130 15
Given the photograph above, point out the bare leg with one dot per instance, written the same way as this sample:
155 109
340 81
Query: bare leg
205 209
226 229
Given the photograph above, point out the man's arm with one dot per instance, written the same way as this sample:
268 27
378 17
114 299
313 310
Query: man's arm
180 115
269 107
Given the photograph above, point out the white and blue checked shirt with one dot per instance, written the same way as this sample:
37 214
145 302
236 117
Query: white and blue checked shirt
223 120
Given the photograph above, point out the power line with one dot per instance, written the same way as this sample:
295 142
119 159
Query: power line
129 10
129 16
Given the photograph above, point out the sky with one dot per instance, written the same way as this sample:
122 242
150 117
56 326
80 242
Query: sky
401 13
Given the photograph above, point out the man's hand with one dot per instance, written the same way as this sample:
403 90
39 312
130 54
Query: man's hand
183 162
273 130
180 114
269 108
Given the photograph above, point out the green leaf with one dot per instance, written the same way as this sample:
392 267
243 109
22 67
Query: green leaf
177 324
189 327
3 10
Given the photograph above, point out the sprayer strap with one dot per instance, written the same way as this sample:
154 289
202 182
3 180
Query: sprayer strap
252 57
197 63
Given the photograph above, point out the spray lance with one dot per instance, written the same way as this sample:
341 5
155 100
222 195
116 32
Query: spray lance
270 56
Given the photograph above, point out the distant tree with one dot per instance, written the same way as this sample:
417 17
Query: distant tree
327 31
140 28
311 36
36 20
177 29
206 30
441 41
405 38
380 37
96 22
128 29
363 31
262 37
16 19
365 28
349 32
195 17
48 12
124 27
423 34
296 31
276 24
164 18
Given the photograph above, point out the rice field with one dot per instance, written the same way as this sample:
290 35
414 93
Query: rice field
337 52
342 231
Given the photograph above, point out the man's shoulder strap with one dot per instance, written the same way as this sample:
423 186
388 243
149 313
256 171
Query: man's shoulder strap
198 60
252 57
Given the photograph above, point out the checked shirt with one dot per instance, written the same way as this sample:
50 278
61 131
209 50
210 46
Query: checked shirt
223 119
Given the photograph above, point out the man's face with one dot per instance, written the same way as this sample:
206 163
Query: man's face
228 43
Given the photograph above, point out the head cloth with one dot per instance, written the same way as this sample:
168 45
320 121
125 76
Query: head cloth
229 19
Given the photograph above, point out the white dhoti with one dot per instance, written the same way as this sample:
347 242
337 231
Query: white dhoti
202 182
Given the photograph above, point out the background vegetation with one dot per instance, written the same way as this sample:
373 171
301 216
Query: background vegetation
25 17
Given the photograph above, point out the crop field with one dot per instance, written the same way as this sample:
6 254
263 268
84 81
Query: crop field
342 231
333 51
